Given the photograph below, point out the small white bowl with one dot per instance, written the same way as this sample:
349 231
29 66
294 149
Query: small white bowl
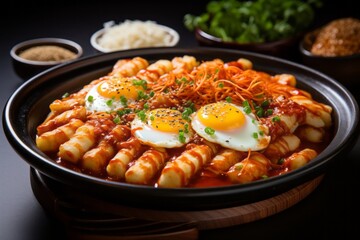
94 40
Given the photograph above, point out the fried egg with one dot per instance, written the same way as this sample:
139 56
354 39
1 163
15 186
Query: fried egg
112 94
161 127
230 126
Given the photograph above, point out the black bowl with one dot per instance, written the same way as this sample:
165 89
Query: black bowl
26 69
280 48
342 68
28 106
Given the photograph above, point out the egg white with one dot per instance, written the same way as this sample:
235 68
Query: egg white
100 103
240 139
155 138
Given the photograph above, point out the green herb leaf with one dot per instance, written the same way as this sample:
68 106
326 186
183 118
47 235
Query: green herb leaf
254 21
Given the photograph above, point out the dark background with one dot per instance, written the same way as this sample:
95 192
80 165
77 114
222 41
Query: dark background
331 211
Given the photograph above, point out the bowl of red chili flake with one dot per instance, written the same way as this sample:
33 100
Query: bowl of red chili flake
334 49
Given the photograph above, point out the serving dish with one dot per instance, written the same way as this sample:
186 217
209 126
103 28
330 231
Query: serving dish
28 106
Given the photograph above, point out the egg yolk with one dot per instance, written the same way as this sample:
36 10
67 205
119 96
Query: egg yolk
167 120
221 116
116 87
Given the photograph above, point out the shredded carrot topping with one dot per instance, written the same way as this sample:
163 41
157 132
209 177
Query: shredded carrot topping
214 81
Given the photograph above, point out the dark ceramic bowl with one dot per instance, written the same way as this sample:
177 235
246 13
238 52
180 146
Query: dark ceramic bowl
28 106
26 69
344 69
280 48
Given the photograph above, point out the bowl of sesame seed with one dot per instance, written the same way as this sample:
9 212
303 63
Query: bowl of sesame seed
36 55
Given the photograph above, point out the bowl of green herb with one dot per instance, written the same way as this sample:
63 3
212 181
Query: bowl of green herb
272 27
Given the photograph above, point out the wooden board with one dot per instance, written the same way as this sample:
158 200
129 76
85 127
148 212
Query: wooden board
89 216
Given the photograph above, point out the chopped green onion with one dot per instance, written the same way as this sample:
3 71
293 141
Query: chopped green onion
209 131
246 106
186 113
117 119
268 112
90 99
246 103
180 81
247 110
276 119
123 101
260 112
142 95
141 83
228 99
123 111
182 137
65 95
265 103
146 106
142 115
186 128
191 105
110 102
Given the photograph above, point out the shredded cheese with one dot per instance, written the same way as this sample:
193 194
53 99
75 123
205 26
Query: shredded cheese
136 34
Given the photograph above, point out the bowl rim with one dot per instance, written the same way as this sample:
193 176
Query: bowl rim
207 36
45 41
96 35
188 196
